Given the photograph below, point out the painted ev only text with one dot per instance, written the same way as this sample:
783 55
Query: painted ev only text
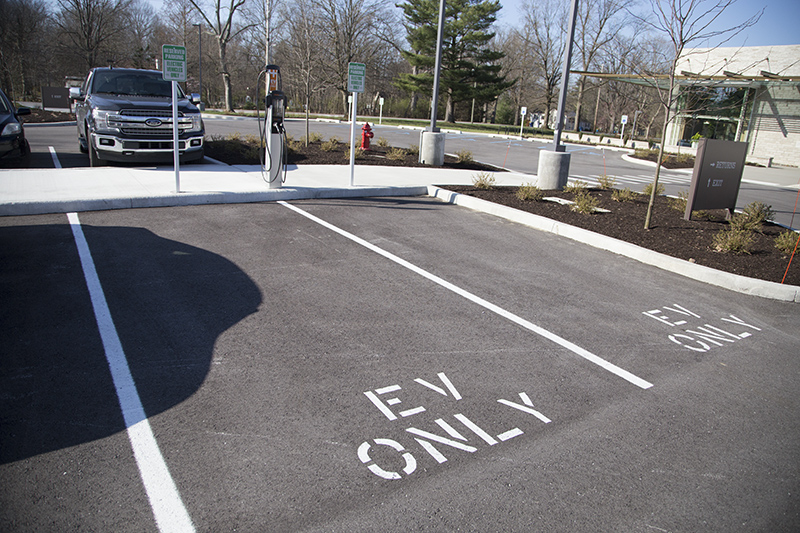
388 404
701 338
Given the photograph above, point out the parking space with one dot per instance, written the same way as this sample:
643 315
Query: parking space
381 364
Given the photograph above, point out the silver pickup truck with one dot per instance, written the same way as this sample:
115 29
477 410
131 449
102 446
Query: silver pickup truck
126 115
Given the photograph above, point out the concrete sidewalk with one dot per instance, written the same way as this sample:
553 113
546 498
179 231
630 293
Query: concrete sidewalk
41 191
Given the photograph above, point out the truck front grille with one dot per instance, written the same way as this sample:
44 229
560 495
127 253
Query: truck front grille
132 122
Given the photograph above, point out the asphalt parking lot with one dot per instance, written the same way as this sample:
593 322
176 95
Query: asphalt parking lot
384 364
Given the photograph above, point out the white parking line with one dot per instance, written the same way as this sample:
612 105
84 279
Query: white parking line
624 374
168 508
56 162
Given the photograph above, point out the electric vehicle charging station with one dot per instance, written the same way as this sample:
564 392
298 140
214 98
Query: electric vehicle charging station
274 132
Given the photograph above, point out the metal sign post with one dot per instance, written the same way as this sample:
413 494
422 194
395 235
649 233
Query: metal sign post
357 73
522 112
173 60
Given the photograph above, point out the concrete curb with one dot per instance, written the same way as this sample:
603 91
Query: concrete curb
183 199
734 282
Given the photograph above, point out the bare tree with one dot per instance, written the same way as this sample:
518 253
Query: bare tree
221 21
90 27
303 53
682 23
348 31
543 34
22 27
141 19
599 22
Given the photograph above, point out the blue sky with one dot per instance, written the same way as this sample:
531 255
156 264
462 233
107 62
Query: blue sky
778 25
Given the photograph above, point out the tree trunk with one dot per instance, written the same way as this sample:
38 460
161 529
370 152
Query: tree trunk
581 89
660 149
448 110
226 77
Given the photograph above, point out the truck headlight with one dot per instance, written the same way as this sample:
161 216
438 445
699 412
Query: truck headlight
100 118
197 123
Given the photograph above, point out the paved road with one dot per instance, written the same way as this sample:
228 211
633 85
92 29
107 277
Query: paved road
380 364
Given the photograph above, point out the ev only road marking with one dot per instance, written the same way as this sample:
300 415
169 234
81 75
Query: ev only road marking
168 508
614 369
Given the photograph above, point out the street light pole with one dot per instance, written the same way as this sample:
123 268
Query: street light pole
200 56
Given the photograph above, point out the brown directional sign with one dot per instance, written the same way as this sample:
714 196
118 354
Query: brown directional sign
55 98
717 175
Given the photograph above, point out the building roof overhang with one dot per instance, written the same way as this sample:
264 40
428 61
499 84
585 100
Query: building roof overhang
684 78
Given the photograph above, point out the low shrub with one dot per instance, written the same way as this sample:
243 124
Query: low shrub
584 202
383 142
576 187
358 154
330 145
396 154
648 190
529 192
606 182
623 195
483 180
464 156
752 217
314 137
678 203
786 241
733 241
413 150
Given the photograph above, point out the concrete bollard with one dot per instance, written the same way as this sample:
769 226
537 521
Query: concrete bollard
431 148
553 170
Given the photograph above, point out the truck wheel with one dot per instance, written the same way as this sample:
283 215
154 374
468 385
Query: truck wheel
94 159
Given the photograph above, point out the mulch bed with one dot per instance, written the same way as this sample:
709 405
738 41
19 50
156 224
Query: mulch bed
669 233
246 153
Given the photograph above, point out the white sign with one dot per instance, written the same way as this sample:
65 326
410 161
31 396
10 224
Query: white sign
356 73
173 59
624 119
523 111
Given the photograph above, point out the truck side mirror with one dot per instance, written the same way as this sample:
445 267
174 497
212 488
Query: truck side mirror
75 93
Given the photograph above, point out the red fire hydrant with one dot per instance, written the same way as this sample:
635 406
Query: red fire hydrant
366 135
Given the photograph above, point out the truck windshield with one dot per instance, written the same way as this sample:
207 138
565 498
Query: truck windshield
132 84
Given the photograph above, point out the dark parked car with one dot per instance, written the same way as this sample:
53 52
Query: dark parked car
126 115
12 135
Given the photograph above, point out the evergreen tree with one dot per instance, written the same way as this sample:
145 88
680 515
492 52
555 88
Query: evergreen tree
470 68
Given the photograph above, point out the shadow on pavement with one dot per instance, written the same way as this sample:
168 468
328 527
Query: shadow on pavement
169 302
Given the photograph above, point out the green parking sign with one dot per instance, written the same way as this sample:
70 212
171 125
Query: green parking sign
356 74
173 61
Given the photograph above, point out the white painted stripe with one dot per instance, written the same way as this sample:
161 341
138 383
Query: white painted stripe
614 369
449 385
56 162
379 404
412 412
450 430
168 509
528 410
432 450
510 434
475 429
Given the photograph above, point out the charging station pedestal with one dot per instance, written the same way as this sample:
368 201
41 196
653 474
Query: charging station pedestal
275 163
